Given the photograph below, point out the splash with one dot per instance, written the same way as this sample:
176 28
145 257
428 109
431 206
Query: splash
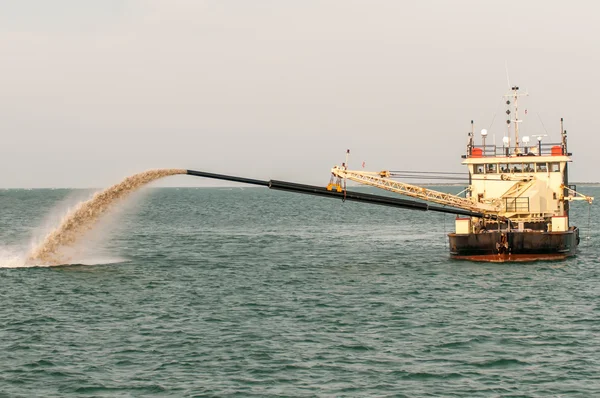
53 250
12 257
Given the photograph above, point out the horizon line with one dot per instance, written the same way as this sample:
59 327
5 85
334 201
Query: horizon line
242 185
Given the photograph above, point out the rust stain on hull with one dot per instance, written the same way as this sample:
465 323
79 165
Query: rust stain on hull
506 258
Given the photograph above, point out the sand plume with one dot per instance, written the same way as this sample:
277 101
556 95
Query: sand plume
87 214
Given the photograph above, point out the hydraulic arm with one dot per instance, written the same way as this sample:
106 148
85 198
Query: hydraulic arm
382 180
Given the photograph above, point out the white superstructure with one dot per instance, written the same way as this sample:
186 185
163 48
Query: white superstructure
525 183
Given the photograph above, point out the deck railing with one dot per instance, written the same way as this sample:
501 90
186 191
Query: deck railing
542 149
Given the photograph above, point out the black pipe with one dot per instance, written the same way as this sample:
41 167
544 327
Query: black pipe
347 195
228 178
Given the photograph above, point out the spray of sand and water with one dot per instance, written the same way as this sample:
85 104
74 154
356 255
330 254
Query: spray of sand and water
83 218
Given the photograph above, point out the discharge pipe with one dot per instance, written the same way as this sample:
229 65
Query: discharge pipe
347 195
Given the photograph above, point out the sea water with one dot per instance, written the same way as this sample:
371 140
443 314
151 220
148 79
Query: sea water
252 292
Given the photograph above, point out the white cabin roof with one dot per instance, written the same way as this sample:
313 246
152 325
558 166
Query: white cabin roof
516 159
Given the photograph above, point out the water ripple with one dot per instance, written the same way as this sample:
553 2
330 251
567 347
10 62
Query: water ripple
260 293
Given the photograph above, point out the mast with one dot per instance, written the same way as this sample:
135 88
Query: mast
515 97
515 89
470 140
471 135
563 135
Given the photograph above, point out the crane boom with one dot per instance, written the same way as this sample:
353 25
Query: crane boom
382 180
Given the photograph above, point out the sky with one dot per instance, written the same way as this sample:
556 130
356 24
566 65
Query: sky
92 91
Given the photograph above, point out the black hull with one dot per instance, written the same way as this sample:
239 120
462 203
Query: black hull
503 246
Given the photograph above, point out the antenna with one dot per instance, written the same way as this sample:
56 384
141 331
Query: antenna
539 140
484 134
541 121
347 156
507 79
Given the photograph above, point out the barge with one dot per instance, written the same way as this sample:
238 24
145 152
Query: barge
519 194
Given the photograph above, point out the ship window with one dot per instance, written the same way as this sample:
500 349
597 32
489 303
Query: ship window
503 167
479 169
491 168
516 168
554 167
541 167
529 168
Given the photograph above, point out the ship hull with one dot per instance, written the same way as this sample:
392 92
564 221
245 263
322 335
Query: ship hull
514 246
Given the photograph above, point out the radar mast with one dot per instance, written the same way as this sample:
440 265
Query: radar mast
514 95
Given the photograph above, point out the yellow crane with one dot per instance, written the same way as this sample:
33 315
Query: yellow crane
382 180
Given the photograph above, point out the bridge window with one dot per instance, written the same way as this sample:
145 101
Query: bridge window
479 168
529 168
503 168
541 167
491 168
554 167
516 168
